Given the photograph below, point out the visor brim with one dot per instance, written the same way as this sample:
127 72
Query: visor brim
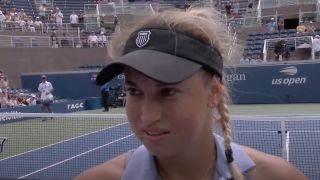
162 67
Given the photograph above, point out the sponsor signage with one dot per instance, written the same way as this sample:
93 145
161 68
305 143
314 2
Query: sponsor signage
4 119
236 77
289 77
61 107
263 83
278 83
75 106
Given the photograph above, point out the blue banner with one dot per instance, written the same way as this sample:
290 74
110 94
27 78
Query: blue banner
275 83
248 84
70 84
60 107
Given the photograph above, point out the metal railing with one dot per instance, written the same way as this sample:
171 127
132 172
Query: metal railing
104 9
162 6
18 26
24 41
233 41
152 9
277 3
297 42
318 10
47 2
90 9
32 41
259 11
44 28
67 28
261 20
64 28
308 15
246 22
95 12
48 42
143 9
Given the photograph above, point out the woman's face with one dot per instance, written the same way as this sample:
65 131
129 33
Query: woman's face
169 118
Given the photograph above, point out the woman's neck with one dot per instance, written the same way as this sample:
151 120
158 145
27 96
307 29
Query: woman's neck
197 163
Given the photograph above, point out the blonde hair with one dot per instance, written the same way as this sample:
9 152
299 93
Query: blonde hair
227 132
201 23
206 26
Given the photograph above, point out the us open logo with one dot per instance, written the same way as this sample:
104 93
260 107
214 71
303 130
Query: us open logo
291 70
292 80
143 38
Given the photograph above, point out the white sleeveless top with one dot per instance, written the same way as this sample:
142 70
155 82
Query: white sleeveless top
141 165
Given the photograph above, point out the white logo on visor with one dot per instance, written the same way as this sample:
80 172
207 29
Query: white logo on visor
143 38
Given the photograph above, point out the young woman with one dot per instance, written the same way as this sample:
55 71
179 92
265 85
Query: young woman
175 94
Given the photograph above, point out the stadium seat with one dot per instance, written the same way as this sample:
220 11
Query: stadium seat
28 6
258 42
249 42
292 31
284 35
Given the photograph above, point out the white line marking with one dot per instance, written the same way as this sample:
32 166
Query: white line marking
55 164
62 141
254 131
308 131
287 144
57 115
274 131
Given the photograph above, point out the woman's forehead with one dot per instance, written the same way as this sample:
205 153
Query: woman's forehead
134 76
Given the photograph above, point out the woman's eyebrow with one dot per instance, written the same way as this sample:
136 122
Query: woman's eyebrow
131 83
158 84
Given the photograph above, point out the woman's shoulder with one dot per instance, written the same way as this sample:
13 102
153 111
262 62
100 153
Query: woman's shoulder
112 169
271 167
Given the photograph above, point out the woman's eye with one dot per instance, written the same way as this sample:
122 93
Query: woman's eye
133 91
168 91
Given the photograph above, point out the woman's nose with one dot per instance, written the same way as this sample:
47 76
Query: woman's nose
151 111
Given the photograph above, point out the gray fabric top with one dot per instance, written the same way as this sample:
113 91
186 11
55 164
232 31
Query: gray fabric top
141 165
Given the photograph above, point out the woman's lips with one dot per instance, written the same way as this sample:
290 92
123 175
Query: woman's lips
156 135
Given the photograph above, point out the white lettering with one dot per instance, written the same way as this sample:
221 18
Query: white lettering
289 81
276 81
235 77
8 118
75 106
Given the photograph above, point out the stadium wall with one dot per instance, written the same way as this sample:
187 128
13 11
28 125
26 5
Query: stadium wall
60 107
15 61
272 83
275 83
70 84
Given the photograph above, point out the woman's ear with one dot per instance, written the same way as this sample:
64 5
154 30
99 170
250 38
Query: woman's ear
215 92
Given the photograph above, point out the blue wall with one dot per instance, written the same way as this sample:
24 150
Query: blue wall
277 83
69 85
269 83
60 107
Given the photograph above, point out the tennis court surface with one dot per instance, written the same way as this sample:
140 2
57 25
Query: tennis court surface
60 146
